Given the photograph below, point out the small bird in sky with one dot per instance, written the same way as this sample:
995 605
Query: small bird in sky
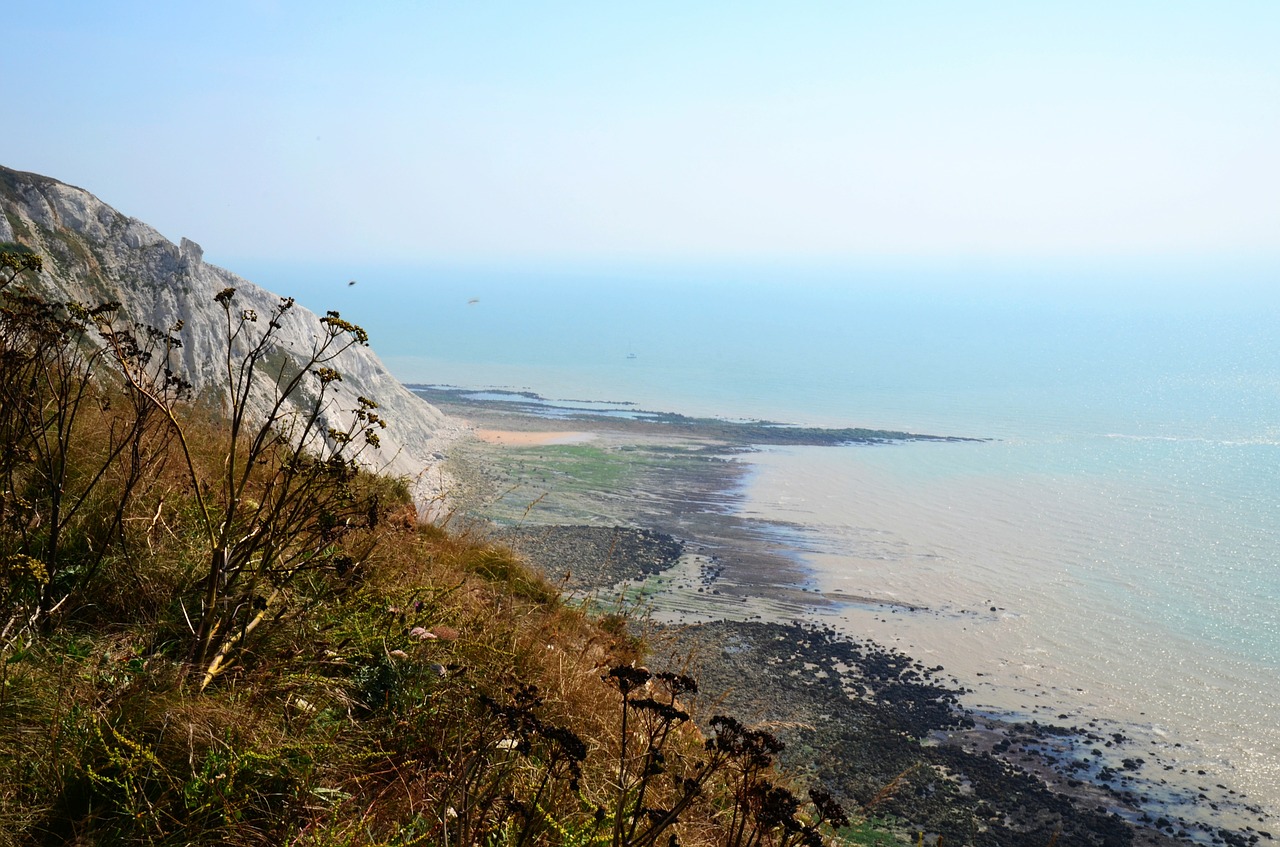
473 301
352 282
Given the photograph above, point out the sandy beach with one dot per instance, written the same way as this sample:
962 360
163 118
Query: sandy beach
518 438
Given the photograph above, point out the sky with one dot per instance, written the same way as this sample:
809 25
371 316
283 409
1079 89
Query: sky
563 132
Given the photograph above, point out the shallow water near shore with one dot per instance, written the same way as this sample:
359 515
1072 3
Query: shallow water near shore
1123 522
1050 596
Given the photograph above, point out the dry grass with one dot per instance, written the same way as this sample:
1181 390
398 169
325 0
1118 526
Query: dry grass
372 717
404 682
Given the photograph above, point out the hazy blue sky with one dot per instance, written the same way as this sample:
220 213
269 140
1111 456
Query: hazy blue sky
548 131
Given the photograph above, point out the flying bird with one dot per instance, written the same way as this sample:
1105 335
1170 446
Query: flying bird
473 301
352 282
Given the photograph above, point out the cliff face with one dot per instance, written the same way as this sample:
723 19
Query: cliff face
93 253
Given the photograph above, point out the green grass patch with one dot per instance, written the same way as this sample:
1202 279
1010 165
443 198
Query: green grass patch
583 466
872 832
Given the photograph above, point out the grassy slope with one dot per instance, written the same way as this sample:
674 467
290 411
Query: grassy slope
416 685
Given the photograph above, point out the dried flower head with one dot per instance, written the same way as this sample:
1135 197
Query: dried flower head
628 677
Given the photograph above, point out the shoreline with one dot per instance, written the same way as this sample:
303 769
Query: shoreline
741 577
1041 594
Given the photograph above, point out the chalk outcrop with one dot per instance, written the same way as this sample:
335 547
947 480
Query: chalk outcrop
93 253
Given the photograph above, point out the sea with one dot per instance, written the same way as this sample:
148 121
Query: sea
1109 551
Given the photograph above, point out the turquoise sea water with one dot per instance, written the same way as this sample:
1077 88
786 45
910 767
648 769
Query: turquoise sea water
1114 551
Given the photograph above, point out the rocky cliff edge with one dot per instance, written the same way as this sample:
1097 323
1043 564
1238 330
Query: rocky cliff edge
93 253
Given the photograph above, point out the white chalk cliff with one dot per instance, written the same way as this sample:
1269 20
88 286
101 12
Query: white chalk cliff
93 253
